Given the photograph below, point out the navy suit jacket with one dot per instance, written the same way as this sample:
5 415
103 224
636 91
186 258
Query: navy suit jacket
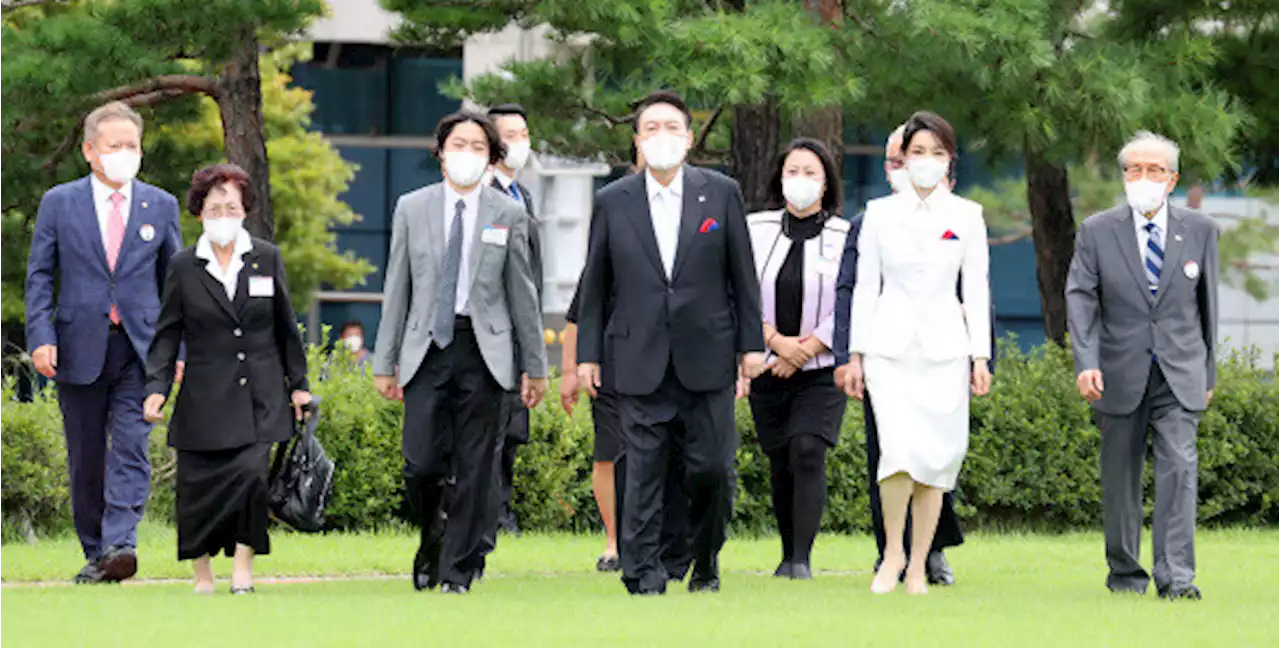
844 297
67 248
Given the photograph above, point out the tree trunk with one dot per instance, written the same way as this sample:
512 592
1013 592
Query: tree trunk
1053 229
240 104
825 124
754 150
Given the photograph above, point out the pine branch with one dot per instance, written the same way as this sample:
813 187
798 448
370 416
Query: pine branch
1010 238
706 129
613 121
10 5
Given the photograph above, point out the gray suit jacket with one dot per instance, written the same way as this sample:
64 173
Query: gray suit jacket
1116 324
503 300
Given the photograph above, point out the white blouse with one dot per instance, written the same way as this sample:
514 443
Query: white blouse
231 278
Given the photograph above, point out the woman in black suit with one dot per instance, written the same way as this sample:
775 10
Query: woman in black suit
226 298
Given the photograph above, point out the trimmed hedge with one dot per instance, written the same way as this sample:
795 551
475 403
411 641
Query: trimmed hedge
1032 462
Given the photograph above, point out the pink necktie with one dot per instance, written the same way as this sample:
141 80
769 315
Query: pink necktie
115 238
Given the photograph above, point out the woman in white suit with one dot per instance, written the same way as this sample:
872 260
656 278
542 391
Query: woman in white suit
920 351
797 406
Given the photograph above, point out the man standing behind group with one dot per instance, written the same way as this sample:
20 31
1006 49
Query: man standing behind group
671 246
1142 308
459 295
105 240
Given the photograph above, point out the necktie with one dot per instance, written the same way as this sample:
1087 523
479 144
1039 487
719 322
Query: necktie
447 289
115 238
514 191
1155 257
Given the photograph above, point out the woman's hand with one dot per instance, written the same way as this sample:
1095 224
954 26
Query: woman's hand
152 406
784 369
299 399
791 350
981 382
853 378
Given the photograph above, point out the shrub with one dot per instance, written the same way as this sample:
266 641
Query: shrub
33 477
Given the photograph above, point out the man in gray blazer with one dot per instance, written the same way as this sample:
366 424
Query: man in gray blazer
1142 307
459 299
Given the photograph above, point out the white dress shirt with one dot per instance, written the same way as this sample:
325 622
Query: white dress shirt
472 201
664 210
1161 219
230 278
102 203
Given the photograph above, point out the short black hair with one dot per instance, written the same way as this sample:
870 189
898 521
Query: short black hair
351 324
669 97
497 150
832 195
507 109
932 122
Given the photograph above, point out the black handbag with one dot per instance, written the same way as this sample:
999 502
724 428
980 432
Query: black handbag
301 479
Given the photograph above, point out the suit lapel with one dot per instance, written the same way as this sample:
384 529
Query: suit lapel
1173 243
641 220
249 269
1127 239
137 217
486 211
88 215
216 290
690 216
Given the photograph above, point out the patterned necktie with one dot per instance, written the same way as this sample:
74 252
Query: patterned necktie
447 289
1155 257
115 239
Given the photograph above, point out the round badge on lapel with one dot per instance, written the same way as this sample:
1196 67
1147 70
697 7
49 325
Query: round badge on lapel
1191 269
147 232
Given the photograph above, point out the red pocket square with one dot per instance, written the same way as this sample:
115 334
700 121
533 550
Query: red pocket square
709 225
950 236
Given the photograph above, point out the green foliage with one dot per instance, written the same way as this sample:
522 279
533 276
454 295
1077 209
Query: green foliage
33 478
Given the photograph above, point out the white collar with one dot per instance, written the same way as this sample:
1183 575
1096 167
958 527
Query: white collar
653 187
471 198
204 247
503 179
938 197
1161 219
101 192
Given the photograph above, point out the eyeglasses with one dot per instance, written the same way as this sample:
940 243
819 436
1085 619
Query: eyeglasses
1151 172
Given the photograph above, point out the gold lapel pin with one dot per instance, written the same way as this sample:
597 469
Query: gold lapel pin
702 199
144 204
255 265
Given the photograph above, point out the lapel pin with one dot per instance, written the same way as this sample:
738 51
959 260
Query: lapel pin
1177 237
144 206
1191 269
147 232
255 265
702 199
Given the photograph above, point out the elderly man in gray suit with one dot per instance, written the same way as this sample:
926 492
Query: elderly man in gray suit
459 295
1142 309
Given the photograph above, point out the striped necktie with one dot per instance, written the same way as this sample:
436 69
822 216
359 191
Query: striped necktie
1155 257
514 191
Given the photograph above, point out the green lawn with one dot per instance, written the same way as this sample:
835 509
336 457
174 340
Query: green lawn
1013 591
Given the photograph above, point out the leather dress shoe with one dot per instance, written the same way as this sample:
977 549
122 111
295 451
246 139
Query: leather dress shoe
709 585
800 571
938 571
118 563
784 570
89 574
454 588
608 564
1189 593
426 572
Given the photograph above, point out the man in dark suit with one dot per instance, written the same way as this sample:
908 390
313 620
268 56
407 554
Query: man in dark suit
105 241
948 533
514 129
671 245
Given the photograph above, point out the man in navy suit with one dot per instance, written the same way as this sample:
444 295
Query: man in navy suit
105 240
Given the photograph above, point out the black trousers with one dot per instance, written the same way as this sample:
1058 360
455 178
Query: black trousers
948 533
702 424
452 419
516 417
676 552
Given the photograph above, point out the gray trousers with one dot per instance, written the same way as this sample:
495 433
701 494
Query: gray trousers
1124 449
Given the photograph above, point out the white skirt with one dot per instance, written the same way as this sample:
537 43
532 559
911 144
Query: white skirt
922 416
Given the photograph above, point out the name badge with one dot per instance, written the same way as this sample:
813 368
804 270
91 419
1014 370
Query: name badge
262 287
495 235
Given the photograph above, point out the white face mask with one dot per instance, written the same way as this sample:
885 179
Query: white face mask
517 155
1145 195
926 171
900 180
353 343
464 167
801 192
664 151
222 231
120 167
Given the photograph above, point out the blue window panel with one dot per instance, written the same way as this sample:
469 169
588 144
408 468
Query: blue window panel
371 246
417 103
411 169
1013 280
348 101
367 194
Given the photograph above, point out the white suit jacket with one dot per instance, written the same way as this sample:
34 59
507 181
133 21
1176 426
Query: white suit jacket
821 267
911 253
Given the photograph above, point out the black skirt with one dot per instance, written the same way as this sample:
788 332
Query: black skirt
222 501
607 421
808 402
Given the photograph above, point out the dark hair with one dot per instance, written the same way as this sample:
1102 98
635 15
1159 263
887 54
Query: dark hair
656 97
351 324
832 195
204 180
507 109
497 150
934 123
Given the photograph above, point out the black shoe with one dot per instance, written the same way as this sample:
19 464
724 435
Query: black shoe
118 563
608 564
426 568
649 592
697 585
800 571
241 590
1190 593
91 573
452 588
938 571
784 570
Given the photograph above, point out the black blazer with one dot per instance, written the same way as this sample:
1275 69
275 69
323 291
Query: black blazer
244 357
700 320
535 242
